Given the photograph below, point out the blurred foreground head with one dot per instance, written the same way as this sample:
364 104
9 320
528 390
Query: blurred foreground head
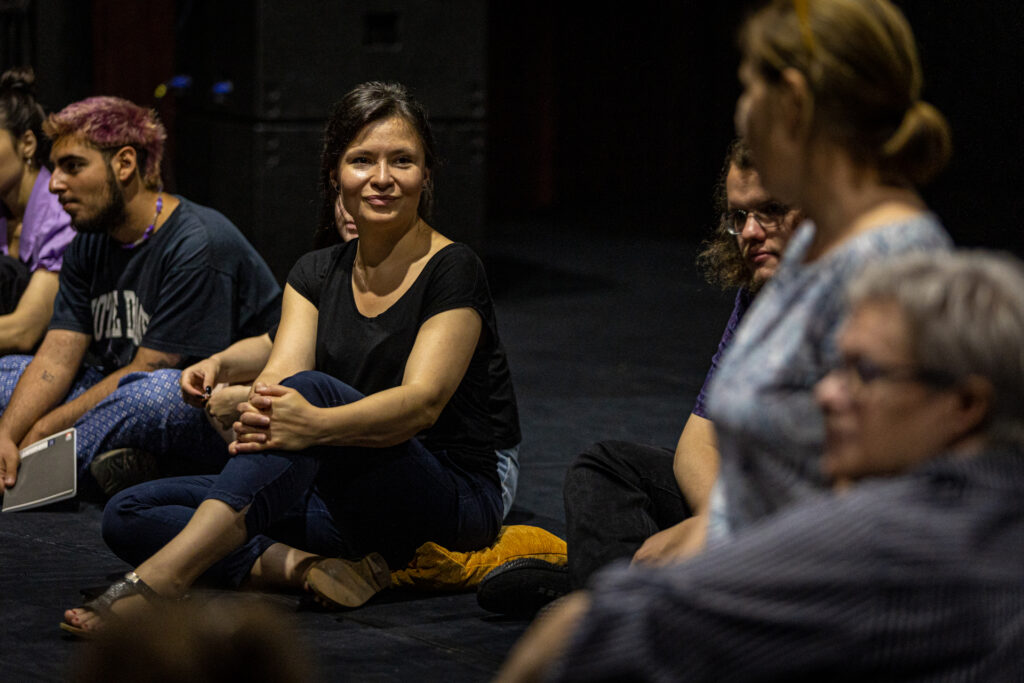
222 640
841 72
931 361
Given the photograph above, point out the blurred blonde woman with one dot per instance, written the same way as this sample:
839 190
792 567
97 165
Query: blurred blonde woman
831 110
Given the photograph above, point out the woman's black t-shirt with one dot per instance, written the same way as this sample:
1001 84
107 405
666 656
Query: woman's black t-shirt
369 354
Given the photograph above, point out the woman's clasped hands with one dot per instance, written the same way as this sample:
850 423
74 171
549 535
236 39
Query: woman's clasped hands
274 417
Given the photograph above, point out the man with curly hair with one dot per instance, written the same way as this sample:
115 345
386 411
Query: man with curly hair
743 254
627 500
151 282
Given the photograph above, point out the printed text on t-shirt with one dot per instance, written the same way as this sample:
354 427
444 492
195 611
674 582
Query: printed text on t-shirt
112 319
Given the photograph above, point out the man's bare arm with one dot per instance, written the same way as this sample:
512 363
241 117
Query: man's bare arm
64 416
43 384
696 462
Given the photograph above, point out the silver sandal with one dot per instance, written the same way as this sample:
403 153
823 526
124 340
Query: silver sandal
130 585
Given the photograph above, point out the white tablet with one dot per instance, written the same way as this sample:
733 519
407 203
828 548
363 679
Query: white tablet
48 473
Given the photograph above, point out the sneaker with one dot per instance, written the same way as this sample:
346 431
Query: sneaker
116 470
520 588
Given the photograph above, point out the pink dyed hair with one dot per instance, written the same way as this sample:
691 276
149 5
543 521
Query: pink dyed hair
106 122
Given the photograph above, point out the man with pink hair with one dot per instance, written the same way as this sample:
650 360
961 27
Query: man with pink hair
151 282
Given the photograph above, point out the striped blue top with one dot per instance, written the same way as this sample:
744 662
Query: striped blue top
911 578
770 430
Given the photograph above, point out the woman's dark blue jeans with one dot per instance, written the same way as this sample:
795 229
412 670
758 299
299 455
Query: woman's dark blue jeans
335 501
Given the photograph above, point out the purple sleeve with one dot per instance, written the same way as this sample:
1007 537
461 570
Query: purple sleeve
743 299
47 230
51 250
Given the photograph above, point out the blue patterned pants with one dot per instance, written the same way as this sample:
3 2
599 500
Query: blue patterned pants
145 412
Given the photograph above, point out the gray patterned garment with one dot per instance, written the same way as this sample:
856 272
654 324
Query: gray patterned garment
770 431
912 578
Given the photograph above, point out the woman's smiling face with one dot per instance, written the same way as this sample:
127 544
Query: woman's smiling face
382 174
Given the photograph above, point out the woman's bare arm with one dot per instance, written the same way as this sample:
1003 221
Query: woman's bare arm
281 418
22 329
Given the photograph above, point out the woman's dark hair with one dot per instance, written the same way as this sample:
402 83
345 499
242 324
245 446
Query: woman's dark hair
19 111
361 106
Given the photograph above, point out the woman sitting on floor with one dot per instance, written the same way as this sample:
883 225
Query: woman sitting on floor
34 230
368 430
220 383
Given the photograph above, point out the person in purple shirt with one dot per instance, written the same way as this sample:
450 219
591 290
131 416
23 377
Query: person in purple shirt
628 500
34 230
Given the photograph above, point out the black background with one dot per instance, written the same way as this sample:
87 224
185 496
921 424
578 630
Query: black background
614 118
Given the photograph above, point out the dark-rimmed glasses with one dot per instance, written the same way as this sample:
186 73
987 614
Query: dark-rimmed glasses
858 372
768 218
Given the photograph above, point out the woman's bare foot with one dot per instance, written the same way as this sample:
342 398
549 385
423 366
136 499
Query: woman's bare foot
281 567
91 621
214 530
126 597
84 618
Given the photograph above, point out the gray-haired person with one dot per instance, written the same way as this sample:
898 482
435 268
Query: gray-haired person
913 573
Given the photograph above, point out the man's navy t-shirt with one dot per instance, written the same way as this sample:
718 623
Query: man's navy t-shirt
192 289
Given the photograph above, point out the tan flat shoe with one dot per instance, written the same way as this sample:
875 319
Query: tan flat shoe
345 583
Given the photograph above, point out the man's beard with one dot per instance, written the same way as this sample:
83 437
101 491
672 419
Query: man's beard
111 215
755 283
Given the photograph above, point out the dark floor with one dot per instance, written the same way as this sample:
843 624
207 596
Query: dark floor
608 337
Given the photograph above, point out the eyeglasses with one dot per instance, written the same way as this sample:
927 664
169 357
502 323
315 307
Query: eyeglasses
769 219
859 372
